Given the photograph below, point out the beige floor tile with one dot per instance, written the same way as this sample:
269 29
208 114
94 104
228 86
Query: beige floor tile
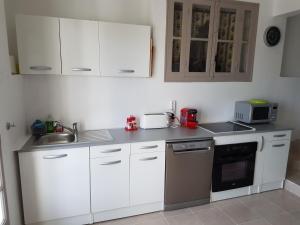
172 213
261 205
195 209
184 219
158 221
296 215
149 216
213 216
226 202
239 213
283 219
256 222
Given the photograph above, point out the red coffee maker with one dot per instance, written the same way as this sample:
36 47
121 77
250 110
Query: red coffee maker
188 118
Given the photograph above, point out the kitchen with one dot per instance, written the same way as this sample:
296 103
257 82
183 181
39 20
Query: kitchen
104 103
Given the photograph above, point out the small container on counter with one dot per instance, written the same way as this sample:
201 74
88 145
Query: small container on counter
131 124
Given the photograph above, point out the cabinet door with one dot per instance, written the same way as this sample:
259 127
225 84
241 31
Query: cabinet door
176 40
246 40
234 41
275 161
55 184
79 47
38 45
125 50
109 183
200 39
147 172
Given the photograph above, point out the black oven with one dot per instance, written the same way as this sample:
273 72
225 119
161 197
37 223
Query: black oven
233 166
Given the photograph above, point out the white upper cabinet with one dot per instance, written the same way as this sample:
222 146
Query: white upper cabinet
38 44
79 47
125 50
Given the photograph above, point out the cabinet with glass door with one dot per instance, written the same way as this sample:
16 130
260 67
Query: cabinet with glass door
210 40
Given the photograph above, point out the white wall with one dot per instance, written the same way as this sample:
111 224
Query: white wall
11 109
105 102
285 7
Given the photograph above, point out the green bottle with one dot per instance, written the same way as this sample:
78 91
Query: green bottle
50 124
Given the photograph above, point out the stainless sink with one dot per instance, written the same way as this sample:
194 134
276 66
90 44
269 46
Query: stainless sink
56 138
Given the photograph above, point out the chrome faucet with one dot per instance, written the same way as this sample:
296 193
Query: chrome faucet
73 130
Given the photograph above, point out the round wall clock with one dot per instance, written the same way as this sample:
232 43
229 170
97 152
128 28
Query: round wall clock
272 36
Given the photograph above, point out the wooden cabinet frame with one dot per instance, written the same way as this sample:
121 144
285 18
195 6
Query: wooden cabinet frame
235 74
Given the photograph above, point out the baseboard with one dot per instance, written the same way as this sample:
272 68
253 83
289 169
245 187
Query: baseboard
76 220
129 211
292 187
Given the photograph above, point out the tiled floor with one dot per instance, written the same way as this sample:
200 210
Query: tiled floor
269 208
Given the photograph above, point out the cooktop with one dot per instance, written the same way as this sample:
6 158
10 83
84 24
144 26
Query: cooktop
226 127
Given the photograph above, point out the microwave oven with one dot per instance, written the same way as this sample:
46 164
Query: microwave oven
251 113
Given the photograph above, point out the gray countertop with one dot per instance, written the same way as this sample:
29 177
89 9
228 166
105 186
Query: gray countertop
121 136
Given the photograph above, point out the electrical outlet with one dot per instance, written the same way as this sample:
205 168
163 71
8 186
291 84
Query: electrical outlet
172 106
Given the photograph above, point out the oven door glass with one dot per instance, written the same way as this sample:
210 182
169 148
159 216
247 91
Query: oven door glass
235 171
235 174
260 113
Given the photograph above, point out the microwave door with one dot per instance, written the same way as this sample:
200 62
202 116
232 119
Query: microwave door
260 114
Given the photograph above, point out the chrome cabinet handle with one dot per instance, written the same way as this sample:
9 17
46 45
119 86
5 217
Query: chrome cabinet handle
111 150
149 158
40 68
55 156
279 135
81 69
262 143
149 147
127 71
111 163
278 146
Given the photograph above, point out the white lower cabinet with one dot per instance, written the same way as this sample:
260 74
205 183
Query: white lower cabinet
275 161
127 179
271 160
147 174
109 183
55 185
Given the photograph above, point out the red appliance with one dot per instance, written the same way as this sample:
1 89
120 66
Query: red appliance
188 118
131 123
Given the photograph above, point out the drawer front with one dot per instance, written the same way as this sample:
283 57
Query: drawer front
144 147
278 135
110 151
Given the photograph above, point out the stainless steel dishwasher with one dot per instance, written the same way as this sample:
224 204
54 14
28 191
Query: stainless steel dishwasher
188 173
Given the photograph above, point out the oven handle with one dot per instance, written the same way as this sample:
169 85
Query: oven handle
202 150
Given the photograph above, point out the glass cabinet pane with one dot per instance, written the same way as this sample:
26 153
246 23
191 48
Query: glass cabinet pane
177 33
243 58
177 20
200 21
198 56
176 55
227 24
246 26
224 57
